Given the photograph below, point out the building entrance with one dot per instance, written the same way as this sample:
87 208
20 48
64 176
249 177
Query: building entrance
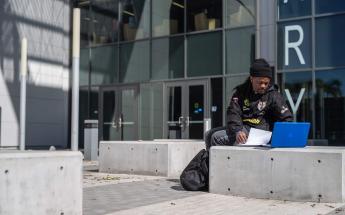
118 113
187 107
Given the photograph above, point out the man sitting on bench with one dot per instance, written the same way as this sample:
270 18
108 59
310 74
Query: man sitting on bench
255 104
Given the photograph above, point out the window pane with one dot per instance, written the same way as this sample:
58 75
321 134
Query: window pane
230 84
135 62
297 44
85 19
293 8
217 102
105 21
135 19
327 6
240 50
330 46
240 13
94 103
83 113
204 14
151 111
294 82
104 65
205 54
84 67
330 106
167 17
168 58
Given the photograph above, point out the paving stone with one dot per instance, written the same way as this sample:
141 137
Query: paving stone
123 196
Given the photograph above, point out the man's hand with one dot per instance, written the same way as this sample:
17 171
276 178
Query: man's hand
241 137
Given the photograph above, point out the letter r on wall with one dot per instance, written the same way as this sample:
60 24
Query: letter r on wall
293 45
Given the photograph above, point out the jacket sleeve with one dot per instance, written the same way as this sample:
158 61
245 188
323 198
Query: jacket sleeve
281 111
234 114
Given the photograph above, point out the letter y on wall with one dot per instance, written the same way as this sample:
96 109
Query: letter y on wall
293 106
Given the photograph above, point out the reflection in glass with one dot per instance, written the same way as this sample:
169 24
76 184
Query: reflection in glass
151 111
120 120
85 17
104 64
109 117
294 82
105 21
240 49
204 54
83 113
330 106
134 62
330 46
167 17
293 8
84 67
230 84
327 6
239 13
88 109
135 19
299 54
174 112
168 58
93 103
204 15
127 115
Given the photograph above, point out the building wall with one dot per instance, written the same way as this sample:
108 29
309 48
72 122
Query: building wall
46 25
267 30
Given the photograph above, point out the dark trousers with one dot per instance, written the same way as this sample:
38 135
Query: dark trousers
219 137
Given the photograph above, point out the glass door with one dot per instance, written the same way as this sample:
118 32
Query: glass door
196 112
175 123
186 109
118 113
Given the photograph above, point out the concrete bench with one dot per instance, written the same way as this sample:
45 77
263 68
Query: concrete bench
164 158
33 182
306 174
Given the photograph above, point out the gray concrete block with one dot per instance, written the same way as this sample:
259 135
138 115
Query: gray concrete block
147 157
307 174
40 183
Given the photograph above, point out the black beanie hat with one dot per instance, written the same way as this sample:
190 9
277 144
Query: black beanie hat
260 68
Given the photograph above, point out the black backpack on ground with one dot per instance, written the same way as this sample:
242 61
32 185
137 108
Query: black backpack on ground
195 176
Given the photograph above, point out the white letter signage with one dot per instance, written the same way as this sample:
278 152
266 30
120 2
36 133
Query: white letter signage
293 45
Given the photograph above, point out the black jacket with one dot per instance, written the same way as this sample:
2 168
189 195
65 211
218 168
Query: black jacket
248 109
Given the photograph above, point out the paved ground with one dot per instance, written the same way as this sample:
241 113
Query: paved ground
120 194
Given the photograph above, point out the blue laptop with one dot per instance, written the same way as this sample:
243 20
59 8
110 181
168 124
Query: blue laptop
290 134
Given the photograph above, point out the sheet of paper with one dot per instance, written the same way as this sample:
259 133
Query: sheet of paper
258 137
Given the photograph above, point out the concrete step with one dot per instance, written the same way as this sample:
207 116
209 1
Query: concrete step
163 158
299 174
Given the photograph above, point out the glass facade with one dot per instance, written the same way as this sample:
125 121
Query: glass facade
309 56
173 64
164 60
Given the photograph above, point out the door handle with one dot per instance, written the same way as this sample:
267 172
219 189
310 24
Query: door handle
187 121
120 122
181 121
113 124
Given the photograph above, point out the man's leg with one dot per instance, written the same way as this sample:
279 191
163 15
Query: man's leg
209 134
221 138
